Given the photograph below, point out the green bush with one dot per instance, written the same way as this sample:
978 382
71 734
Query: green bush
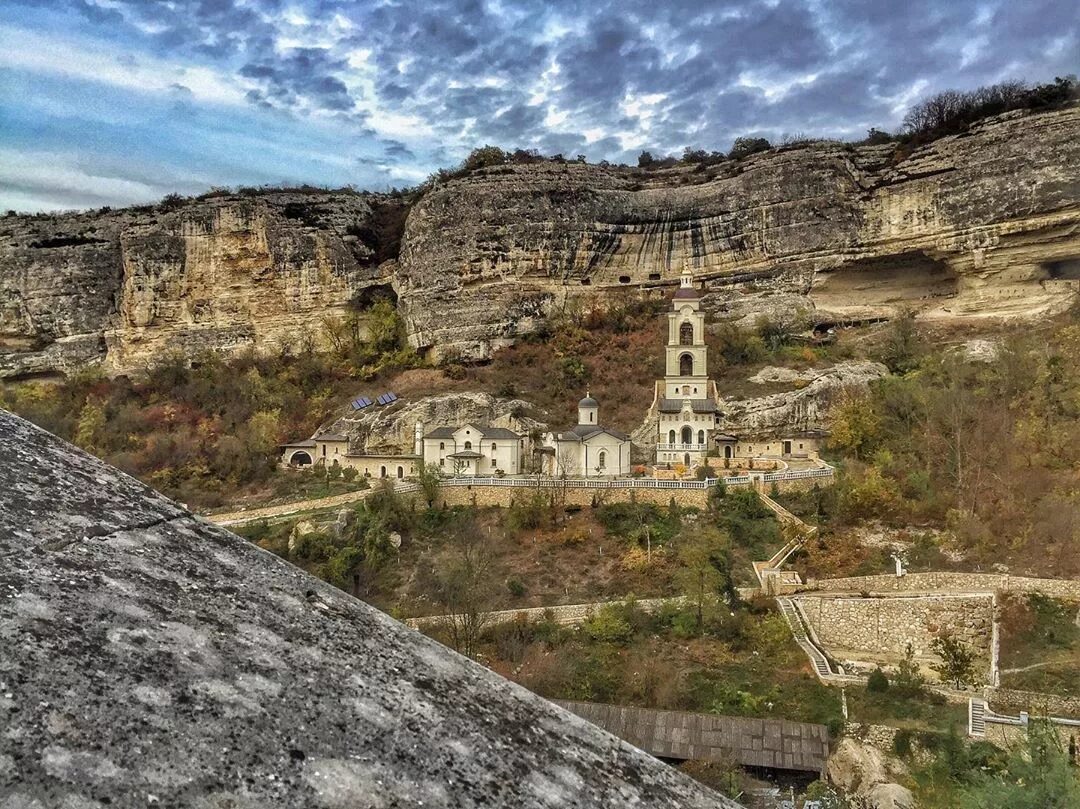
515 587
609 625
877 682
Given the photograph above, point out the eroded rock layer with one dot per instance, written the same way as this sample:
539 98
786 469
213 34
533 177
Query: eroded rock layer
984 224
128 287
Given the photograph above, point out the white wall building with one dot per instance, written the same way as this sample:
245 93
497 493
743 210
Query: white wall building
474 450
587 449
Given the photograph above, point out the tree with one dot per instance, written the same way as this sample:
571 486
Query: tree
429 478
704 569
855 424
645 160
903 347
91 424
464 586
745 146
957 661
1036 775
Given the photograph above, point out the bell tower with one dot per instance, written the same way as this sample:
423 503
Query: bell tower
686 375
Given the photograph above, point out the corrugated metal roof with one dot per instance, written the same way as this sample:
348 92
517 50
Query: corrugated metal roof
774 743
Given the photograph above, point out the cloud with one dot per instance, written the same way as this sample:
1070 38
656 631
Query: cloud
413 84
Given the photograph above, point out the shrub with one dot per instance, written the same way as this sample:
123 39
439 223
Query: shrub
349 473
609 625
877 682
515 587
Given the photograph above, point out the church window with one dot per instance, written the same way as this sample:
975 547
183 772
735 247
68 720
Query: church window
494 463
701 436
686 334
671 437
602 463
382 471
400 473
687 435
494 448
591 414
442 445
686 365
468 445
442 462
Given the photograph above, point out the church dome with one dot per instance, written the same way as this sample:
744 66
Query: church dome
686 292
588 401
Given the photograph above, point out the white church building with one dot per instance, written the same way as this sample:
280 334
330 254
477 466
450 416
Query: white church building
588 449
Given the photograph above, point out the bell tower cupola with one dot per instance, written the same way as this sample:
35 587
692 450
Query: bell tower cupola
588 411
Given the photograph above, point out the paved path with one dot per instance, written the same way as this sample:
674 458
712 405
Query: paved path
287 509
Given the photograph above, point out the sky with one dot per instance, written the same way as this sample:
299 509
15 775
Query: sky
116 102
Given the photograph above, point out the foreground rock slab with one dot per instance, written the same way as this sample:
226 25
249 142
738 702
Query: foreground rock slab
150 658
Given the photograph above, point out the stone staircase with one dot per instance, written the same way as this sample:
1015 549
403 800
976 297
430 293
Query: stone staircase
802 637
976 717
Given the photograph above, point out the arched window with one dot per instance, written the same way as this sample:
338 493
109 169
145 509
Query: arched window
686 334
300 459
468 445
400 473
442 445
382 471
493 447
687 435
591 416
727 452
686 365
701 436
671 437
602 463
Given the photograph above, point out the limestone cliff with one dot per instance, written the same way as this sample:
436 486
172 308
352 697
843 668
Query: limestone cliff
127 287
983 224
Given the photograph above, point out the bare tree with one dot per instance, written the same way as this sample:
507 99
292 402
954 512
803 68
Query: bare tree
465 587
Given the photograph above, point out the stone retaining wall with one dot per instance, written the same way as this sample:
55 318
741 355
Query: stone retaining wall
962 582
1007 700
505 495
565 614
885 626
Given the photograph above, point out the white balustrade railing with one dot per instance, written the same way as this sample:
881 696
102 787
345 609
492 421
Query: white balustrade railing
683 447
795 474
629 483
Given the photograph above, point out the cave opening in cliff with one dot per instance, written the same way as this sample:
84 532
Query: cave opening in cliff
906 278
369 296
1067 269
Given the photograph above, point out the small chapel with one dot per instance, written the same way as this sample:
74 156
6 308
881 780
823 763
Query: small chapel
686 397
587 449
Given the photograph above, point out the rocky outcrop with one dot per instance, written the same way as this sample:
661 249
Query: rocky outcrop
983 224
391 429
804 408
862 771
152 659
126 288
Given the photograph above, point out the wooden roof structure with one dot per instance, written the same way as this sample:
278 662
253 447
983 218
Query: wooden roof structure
773 743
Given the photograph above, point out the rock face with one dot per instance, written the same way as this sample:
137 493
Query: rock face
127 287
863 771
392 429
805 408
983 224
150 658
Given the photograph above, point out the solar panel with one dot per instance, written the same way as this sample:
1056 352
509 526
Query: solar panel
361 403
393 397
381 399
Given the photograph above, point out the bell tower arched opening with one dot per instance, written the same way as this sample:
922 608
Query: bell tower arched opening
686 334
686 365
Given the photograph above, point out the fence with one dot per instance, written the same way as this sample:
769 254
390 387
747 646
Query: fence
634 483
